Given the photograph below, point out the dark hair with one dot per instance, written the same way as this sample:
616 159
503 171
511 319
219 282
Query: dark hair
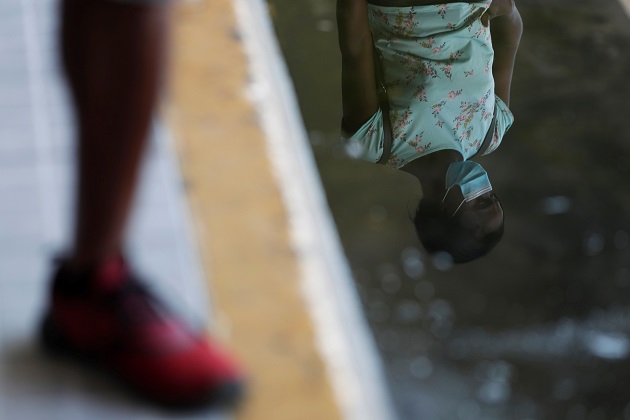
439 232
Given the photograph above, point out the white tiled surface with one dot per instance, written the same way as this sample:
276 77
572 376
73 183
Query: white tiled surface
35 199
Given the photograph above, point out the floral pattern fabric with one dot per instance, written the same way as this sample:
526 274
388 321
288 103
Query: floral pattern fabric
438 73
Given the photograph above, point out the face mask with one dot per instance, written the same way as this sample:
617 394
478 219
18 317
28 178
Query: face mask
471 178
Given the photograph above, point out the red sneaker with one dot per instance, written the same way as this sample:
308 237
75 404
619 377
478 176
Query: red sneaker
108 318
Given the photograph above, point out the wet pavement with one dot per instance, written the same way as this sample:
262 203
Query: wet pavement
540 329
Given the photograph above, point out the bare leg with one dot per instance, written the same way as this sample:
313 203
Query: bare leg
114 56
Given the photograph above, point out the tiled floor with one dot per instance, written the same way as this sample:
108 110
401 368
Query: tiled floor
35 197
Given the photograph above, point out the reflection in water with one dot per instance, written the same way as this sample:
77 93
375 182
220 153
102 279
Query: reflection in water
603 335
422 91
539 328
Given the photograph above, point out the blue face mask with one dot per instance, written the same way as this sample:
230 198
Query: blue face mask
471 178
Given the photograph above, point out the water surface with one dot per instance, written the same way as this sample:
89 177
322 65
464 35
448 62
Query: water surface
540 329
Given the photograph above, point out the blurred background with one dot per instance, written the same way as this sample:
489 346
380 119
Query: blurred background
540 329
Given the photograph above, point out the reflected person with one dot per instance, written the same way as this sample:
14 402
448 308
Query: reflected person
445 71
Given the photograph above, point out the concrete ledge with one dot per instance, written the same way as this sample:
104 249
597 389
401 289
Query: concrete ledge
280 283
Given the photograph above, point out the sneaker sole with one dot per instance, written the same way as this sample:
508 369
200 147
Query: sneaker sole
227 396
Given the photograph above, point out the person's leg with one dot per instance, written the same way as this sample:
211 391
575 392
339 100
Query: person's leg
113 55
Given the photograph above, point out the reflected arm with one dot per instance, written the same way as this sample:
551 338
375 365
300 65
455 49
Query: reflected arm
506 31
358 86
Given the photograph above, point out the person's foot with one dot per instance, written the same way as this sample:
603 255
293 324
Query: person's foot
106 317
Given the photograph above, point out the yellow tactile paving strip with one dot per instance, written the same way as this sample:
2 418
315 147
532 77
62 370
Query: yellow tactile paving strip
240 219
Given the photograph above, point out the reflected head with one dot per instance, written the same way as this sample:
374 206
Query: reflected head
471 233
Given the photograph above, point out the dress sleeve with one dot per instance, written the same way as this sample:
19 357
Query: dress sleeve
505 119
367 142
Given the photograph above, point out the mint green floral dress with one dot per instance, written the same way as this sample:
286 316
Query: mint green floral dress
437 62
